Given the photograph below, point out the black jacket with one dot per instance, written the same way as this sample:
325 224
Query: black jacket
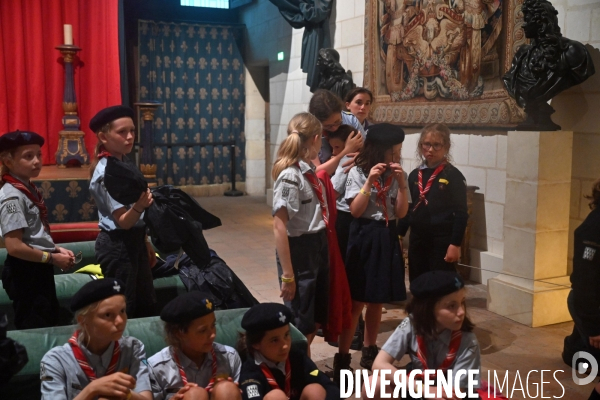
446 210
254 386
585 279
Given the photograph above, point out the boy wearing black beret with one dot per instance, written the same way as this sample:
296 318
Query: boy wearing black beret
193 361
272 368
28 276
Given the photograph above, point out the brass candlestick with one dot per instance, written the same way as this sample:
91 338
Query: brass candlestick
71 147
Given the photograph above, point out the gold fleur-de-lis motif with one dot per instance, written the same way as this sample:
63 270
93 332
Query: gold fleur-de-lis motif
73 189
191 31
204 180
86 211
46 188
182 181
59 212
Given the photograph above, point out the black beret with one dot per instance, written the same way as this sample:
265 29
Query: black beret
12 140
266 316
386 134
97 290
436 284
109 114
186 308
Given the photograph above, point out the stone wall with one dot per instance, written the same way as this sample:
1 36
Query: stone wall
479 154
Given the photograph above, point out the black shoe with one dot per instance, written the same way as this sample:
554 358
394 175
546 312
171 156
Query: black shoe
368 356
341 362
568 353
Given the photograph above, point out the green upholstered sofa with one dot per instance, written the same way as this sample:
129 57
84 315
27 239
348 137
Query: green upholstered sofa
26 384
68 283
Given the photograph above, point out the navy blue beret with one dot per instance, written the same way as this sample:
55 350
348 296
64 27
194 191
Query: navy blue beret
186 308
97 290
386 134
266 316
109 114
12 140
436 284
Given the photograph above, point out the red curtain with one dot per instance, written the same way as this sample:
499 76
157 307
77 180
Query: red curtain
31 69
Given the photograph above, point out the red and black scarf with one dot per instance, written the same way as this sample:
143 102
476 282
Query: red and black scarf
423 191
83 362
183 376
273 382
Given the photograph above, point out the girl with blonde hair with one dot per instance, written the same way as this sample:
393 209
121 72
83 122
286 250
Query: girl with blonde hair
300 217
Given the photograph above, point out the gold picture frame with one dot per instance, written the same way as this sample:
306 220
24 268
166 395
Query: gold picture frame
441 61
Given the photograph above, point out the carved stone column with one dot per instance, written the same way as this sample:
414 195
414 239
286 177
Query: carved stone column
147 161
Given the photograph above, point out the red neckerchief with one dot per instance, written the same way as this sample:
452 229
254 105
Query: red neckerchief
83 363
36 198
273 382
102 153
423 192
455 339
211 383
382 194
311 177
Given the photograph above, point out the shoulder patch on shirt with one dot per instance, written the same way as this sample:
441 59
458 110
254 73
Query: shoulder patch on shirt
315 372
43 376
9 198
290 182
589 253
11 208
252 391
348 182
285 192
404 323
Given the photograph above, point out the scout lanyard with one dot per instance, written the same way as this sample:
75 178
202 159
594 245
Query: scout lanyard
36 198
213 377
83 363
271 379
311 177
455 339
382 194
423 192
102 152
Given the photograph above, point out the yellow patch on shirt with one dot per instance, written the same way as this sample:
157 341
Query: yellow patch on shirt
444 181
315 372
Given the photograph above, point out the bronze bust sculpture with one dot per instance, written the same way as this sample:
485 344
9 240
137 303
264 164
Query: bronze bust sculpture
548 65
333 76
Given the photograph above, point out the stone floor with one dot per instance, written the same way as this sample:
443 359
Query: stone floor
246 243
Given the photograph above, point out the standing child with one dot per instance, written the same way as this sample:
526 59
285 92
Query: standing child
300 216
438 216
377 194
193 366
98 361
359 102
272 369
28 276
122 248
437 333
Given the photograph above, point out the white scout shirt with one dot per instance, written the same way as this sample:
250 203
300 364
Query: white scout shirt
166 380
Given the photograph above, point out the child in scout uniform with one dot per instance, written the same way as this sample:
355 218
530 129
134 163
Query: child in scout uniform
377 195
28 276
122 249
299 219
272 370
438 215
359 101
584 298
437 334
98 361
193 365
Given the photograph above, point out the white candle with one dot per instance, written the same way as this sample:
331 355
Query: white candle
68 30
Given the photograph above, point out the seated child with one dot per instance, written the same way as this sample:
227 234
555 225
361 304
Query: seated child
437 334
98 361
193 366
272 370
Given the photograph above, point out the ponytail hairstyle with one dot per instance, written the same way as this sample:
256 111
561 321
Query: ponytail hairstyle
105 129
302 128
323 104
440 130
595 196
422 317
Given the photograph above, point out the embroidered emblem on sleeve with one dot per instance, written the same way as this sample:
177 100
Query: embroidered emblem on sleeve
285 192
252 391
404 323
11 208
43 376
589 253
315 372
349 182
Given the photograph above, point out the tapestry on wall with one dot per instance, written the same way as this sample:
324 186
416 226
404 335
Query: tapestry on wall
196 71
441 61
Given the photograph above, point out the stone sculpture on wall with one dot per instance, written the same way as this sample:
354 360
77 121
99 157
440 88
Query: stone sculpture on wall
333 76
545 67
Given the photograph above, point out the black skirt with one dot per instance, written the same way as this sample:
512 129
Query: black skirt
374 263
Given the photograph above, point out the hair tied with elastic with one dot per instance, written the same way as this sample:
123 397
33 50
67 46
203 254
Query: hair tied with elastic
296 132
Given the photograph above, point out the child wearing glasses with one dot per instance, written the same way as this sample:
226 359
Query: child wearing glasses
438 214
